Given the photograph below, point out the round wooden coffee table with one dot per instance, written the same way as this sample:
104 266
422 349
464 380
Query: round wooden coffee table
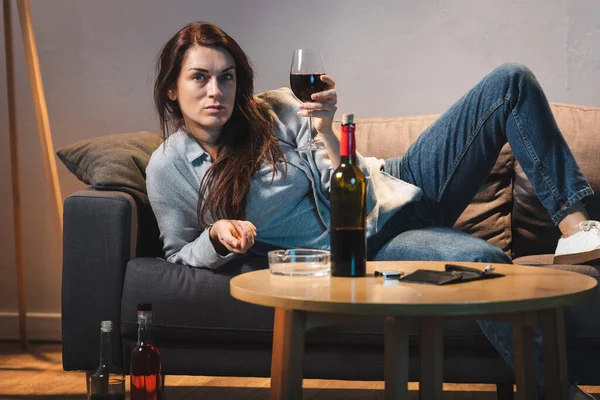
525 297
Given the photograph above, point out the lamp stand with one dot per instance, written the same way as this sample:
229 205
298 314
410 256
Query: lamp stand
41 113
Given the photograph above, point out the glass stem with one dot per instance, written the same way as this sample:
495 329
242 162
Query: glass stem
310 129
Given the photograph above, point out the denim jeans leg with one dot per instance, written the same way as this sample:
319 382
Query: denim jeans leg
439 243
452 158
501 336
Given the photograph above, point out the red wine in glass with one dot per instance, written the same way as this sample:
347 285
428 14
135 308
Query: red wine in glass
305 79
304 85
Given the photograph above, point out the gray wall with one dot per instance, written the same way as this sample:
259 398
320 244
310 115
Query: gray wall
390 58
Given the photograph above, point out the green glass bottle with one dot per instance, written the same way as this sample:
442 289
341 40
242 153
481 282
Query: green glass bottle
348 209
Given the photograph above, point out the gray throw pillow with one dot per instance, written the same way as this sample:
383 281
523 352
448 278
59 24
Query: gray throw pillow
113 162
118 162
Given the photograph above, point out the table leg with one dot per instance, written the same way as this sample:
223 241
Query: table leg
431 357
505 391
287 360
396 358
524 362
551 323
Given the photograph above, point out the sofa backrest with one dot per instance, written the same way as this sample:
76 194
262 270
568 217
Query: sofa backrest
506 211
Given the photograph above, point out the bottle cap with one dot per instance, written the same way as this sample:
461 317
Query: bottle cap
144 307
106 326
347 119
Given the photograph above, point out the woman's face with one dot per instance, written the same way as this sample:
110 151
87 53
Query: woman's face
205 90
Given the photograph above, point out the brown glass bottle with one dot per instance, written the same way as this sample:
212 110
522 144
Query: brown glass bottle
348 209
145 367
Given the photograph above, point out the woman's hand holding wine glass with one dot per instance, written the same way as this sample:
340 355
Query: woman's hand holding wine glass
322 106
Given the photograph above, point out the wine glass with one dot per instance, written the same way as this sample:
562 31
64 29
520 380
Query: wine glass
305 79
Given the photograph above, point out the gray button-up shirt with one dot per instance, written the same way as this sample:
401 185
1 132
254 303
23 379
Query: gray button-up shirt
289 211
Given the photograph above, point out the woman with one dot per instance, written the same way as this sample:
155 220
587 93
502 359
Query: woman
228 179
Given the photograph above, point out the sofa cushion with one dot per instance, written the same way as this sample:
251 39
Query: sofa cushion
389 137
533 230
194 304
488 215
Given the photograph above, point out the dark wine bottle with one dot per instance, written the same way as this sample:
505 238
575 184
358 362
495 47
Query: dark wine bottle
348 209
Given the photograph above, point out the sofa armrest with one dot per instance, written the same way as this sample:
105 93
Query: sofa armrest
99 238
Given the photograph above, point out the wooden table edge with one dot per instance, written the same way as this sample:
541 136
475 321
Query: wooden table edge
413 310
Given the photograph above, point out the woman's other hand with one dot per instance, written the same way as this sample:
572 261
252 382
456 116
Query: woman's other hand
232 236
323 107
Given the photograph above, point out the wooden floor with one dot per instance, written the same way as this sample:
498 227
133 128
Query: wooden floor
38 374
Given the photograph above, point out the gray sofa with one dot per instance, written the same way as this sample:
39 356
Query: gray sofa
112 261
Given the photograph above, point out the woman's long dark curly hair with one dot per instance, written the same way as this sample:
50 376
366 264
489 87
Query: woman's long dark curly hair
246 139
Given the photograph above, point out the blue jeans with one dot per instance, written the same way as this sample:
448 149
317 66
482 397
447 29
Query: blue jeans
453 157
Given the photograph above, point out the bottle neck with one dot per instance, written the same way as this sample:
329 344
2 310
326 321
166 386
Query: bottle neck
143 331
105 348
348 145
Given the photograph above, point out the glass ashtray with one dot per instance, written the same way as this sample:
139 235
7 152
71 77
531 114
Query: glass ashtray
299 262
